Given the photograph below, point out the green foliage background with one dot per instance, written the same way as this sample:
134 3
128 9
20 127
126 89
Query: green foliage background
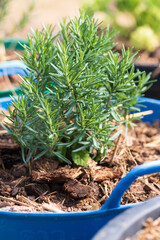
142 13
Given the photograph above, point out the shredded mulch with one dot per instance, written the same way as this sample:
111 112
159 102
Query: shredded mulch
151 230
55 187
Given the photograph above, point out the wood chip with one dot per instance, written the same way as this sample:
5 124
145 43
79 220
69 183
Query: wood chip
13 201
51 207
59 175
7 145
139 114
76 189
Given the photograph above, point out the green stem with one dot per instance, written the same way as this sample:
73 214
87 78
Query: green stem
77 104
109 100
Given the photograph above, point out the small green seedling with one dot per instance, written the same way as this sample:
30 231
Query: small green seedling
77 95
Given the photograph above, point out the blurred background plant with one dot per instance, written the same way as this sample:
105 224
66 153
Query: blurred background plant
20 24
3 9
137 20
3 13
25 15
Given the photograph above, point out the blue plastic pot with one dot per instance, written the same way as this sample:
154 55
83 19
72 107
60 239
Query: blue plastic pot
13 67
10 68
75 225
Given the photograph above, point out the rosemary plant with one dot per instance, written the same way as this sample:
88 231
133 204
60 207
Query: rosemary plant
78 93
3 8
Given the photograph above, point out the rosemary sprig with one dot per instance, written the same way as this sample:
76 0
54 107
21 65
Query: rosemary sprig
78 93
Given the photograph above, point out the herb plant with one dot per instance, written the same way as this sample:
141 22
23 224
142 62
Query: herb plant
3 8
77 95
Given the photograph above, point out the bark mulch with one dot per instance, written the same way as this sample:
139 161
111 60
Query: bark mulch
151 230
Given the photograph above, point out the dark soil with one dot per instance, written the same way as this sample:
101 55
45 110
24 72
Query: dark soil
151 230
56 187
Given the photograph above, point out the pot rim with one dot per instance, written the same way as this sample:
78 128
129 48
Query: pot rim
130 222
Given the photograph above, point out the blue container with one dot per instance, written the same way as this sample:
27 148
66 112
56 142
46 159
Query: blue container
13 67
75 225
14 43
10 68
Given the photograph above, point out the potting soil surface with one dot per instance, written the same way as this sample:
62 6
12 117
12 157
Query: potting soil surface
55 187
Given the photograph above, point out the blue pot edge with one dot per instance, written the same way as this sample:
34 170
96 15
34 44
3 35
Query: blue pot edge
150 100
143 99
